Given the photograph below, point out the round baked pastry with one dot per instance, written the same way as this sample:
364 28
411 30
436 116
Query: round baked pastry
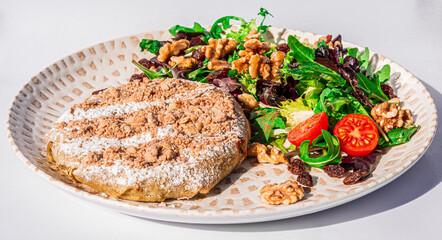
151 140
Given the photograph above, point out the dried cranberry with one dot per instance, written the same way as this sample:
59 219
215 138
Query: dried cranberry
196 41
388 91
198 55
354 177
146 63
334 171
305 179
137 77
296 166
101 90
283 47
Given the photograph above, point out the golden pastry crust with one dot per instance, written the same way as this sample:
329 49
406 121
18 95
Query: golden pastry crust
180 142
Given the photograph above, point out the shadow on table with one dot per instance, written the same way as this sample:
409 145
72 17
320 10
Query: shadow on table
418 180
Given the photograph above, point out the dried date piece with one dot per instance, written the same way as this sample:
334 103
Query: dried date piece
305 179
136 77
354 177
334 171
388 91
347 166
283 47
296 166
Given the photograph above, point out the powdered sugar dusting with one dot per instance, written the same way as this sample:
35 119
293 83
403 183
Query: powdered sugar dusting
77 146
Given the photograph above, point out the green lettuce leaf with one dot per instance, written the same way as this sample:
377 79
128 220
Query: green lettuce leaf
263 121
337 104
398 136
372 88
150 45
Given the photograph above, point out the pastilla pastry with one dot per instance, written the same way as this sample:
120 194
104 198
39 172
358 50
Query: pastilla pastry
151 140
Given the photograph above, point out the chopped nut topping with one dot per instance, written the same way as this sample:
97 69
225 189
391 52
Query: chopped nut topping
218 48
217 64
249 101
172 49
286 193
389 115
265 154
253 34
277 58
183 62
252 59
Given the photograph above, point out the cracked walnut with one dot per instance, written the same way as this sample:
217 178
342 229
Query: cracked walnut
286 193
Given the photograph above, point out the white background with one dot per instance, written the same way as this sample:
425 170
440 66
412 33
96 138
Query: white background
34 34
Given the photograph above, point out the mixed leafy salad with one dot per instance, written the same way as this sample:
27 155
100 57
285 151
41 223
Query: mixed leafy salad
322 99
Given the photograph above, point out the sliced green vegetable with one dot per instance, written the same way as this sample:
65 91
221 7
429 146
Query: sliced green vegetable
398 136
331 156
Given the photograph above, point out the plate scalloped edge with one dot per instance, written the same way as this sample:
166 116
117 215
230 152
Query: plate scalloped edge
236 198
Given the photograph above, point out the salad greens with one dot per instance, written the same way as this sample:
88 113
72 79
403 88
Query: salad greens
337 104
324 78
150 45
263 121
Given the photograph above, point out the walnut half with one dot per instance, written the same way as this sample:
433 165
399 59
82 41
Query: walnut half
286 193
267 154
389 115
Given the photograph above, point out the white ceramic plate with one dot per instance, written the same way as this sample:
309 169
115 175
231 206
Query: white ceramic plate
236 198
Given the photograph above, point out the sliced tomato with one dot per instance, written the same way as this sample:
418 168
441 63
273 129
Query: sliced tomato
357 134
308 129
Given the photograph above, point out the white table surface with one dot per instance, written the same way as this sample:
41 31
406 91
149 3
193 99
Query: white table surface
34 34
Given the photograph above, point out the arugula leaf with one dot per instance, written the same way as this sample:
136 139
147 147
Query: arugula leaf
308 68
298 51
337 104
279 142
152 74
383 75
371 88
264 120
398 136
199 74
197 28
313 70
332 155
150 45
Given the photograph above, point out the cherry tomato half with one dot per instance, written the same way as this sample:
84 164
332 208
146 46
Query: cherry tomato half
357 134
308 129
